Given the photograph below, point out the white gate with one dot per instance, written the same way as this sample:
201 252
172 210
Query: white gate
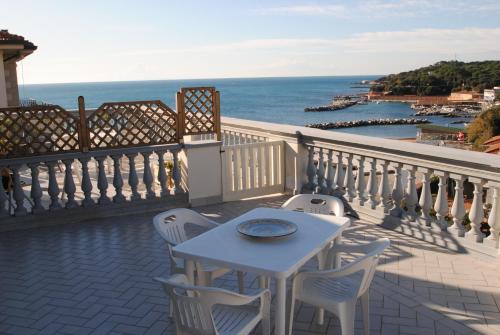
255 169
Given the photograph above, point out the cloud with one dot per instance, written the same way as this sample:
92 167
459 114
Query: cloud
384 8
333 10
464 40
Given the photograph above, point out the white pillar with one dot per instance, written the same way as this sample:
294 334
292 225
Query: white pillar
3 85
202 162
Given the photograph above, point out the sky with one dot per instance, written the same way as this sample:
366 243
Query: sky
108 40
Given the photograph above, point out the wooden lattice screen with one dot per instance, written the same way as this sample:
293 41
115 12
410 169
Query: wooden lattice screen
37 130
128 124
199 110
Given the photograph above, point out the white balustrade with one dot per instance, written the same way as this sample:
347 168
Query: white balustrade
339 171
404 168
349 179
360 181
320 173
441 204
384 188
425 201
476 213
458 207
329 173
69 184
411 197
117 179
372 183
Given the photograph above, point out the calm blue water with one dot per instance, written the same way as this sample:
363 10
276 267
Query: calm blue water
280 100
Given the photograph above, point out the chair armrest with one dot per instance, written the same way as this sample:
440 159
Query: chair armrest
226 297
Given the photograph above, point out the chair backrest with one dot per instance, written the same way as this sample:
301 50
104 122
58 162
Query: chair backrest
315 203
192 310
368 262
171 225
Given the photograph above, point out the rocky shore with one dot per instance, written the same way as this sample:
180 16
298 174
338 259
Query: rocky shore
339 102
363 123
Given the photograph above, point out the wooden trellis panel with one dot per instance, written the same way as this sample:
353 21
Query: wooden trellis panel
129 124
37 130
199 110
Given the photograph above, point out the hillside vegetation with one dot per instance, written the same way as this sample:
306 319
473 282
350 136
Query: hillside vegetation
442 78
485 126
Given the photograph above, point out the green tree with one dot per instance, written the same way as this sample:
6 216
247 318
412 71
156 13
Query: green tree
485 126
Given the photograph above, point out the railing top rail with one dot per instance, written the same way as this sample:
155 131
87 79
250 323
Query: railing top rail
89 154
439 158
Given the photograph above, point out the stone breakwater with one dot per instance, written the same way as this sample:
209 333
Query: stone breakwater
363 123
336 105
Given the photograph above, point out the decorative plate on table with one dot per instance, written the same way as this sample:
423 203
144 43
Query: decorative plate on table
266 228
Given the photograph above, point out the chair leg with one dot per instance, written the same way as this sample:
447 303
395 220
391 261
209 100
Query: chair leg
241 281
365 305
264 282
266 325
290 312
347 312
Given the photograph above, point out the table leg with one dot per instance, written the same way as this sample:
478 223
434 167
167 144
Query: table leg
280 317
190 271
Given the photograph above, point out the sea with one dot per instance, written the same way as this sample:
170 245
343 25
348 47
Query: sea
279 100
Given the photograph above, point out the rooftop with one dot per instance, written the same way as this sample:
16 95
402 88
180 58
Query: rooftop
9 38
95 277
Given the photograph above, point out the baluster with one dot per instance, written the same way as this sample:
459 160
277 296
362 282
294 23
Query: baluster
425 200
117 179
36 190
4 200
176 173
349 180
372 183
441 204
133 180
476 213
162 175
86 183
18 192
311 169
321 173
397 192
53 187
69 184
329 174
494 217
411 197
339 172
102 181
148 176
384 188
360 181
458 208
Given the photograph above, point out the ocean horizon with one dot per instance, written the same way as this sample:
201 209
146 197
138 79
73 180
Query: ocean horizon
271 99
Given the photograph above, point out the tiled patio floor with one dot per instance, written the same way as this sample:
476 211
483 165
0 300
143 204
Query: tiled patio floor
96 278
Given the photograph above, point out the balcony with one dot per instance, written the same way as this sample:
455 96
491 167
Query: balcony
79 250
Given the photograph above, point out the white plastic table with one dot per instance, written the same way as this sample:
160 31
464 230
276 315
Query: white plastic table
279 258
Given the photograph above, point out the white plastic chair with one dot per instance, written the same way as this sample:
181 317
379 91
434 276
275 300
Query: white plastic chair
171 225
315 203
337 290
212 311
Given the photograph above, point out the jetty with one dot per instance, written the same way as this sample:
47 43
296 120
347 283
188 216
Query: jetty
364 123
338 102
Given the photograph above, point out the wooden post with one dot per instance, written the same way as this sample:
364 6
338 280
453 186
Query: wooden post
217 123
179 106
84 135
